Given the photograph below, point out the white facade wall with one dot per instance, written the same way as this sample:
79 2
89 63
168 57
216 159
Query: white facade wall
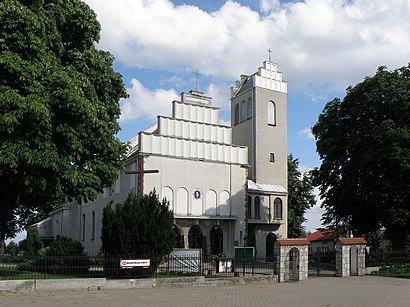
194 131
195 113
192 149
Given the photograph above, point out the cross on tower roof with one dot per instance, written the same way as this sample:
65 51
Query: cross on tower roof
196 73
270 52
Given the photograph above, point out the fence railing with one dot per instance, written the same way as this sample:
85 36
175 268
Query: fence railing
62 267
379 258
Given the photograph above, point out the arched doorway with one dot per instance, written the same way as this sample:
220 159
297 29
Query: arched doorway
354 260
294 264
195 237
216 238
177 237
270 243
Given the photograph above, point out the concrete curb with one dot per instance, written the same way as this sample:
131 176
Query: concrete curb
102 283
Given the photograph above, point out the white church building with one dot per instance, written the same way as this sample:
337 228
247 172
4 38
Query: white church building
227 186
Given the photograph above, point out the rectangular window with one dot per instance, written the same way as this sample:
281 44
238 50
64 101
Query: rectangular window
272 157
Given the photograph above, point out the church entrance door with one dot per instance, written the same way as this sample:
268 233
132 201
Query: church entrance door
216 240
195 237
178 243
270 243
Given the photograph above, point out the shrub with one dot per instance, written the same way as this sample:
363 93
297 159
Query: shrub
63 256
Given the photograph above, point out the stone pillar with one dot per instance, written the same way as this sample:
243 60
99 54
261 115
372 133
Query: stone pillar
343 257
303 262
282 250
361 258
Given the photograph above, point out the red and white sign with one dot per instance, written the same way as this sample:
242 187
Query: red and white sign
134 263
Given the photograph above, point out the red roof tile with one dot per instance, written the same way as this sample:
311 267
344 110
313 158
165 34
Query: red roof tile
352 241
298 241
322 235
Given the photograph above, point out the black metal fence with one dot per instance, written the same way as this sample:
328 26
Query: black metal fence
380 258
115 267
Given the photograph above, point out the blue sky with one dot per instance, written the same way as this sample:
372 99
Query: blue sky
321 46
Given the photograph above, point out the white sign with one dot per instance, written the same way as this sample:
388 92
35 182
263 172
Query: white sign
133 263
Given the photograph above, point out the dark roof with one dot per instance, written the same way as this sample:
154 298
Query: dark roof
322 235
248 84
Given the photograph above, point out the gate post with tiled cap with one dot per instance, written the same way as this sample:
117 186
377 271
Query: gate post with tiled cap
283 257
350 257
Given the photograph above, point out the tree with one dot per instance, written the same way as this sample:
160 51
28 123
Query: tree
300 198
12 249
33 241
59 106
141 226
364 144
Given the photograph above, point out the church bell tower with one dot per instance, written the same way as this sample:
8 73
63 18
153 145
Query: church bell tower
259 121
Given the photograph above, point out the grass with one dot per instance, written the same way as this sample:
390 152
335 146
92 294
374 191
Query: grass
15 274
399 271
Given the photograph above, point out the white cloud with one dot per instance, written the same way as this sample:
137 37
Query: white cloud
267 6
306 134
336 42
146 103
303 169
220 93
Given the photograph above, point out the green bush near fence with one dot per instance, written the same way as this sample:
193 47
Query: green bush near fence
63 256
402 271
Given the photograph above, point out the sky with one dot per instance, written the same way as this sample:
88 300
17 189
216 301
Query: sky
321 46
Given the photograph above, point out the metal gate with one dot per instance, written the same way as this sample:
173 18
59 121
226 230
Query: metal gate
294 264
322 264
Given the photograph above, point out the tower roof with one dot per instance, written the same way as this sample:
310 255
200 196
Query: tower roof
267 77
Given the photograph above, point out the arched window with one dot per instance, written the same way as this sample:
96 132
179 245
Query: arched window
277 208
249 208
93 226
249 108
243 110
271 113
216 238
195 237
236 119
257 210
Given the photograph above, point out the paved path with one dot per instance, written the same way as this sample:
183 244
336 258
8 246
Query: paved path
326 291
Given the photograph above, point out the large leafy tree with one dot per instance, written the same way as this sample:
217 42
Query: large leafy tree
364 144
59 106
300 197
141 226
